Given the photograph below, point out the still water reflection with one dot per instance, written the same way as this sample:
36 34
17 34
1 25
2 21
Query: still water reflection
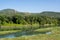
13 35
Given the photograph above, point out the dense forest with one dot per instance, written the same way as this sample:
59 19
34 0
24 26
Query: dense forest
11 16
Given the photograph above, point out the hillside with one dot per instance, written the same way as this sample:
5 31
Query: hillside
45 13
11 12
51 14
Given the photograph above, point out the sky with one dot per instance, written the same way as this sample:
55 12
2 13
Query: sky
31 5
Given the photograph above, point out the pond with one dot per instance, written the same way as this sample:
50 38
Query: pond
24 33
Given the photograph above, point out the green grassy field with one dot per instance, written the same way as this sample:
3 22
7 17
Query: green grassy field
8 32
55 35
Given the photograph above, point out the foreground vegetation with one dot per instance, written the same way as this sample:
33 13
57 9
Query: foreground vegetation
55 35
8 32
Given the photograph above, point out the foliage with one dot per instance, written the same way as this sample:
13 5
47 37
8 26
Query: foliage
13 19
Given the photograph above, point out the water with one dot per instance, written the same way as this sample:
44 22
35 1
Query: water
18 34
48 32
8 36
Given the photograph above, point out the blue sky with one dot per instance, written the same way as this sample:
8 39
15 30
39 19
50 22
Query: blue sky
31 5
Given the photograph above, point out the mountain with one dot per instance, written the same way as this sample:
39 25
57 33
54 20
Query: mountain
50 13
7 11
45 13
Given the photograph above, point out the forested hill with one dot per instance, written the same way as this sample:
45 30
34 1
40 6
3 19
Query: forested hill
51 14
45 13
9 12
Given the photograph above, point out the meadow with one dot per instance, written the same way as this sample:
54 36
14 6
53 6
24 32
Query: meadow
54 35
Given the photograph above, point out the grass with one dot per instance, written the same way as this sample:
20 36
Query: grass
54 36
8 27
19 25
8 32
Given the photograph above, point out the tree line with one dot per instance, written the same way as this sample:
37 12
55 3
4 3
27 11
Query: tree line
28 19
